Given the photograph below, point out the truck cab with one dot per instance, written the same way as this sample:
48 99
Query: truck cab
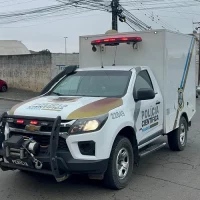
101 119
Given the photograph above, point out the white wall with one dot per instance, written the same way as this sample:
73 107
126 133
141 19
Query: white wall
60 61
34 71
30 72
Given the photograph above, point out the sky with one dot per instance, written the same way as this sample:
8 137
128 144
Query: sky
49 33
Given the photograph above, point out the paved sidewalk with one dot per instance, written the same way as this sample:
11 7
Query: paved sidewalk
17 94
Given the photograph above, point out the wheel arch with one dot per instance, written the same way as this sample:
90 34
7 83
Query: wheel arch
184 114
130 133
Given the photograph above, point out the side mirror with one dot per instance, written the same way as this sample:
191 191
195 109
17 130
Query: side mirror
145 94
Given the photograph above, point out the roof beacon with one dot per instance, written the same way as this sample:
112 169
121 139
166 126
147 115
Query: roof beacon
114 41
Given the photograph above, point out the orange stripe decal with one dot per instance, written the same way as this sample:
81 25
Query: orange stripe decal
96 108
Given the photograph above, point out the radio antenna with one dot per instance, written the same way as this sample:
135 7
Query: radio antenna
101 57
115 56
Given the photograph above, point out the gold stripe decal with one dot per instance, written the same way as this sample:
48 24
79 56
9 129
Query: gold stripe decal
96 108
14 108
181 90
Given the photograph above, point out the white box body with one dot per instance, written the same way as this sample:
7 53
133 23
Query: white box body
165 52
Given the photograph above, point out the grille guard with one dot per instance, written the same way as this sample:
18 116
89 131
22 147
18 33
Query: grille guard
52 156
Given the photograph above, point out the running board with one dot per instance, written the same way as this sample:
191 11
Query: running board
151 149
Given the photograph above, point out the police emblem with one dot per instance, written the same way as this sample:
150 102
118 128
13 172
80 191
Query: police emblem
180 99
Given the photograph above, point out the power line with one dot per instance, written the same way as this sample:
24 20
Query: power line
126 15
152 18
31 14
142 7
164 7
130 26
55 20
76 7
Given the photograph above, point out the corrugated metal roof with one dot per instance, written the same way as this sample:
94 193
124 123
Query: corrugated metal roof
12 47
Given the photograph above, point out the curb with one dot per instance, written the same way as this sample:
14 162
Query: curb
10 99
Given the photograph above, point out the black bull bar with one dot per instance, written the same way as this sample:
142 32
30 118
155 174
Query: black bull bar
52 158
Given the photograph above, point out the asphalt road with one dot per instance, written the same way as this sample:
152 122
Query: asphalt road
163 175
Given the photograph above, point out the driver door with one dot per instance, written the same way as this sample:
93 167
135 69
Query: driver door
150 111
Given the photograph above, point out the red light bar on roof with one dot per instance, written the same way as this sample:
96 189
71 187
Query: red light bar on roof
116 40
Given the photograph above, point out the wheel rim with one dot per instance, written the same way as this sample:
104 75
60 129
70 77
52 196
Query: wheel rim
122 163
3 88
182 134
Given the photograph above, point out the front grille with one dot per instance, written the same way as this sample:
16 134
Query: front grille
43 128
18 126
49 129
44 140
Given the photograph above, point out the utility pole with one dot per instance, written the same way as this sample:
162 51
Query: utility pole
198 28
66 51
115 6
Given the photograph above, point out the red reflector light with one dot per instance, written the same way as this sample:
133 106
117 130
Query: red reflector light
20 121
34 122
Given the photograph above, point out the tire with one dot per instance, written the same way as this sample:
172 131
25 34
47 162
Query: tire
112 179
177 139
4 88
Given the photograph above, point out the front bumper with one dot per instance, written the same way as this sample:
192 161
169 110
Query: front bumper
66 164
57 163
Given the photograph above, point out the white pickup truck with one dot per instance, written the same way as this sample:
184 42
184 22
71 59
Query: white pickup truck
130 90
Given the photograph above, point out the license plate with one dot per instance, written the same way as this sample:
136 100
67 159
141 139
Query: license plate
20 162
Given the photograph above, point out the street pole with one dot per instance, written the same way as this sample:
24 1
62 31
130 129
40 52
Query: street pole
66 51
115 6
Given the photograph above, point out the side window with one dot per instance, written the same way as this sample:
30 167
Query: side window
142 81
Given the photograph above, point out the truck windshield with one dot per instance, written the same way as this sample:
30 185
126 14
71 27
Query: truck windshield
94 84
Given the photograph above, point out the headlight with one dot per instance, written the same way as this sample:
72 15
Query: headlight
88 125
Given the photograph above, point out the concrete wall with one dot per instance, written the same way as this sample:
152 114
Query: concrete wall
29 72
32 72
60 61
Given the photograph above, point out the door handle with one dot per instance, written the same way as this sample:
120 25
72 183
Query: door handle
158 102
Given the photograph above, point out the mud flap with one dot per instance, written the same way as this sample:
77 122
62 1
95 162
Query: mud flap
53 149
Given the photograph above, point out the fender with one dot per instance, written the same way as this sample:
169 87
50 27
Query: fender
135 143
184 114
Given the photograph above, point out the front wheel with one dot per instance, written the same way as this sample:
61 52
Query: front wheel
120 166
177 139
